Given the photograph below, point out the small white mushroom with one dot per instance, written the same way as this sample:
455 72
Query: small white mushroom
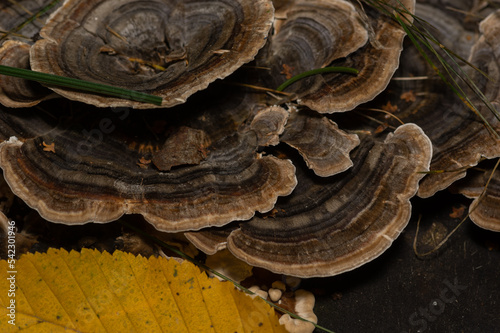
275 294
258 292
304 308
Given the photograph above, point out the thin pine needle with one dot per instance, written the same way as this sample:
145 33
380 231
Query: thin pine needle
419 38
410 78
251 86
300 76
427 36
385 112
97 88
374 120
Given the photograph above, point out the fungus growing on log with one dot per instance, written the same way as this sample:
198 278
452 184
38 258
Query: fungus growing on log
466 139
223 165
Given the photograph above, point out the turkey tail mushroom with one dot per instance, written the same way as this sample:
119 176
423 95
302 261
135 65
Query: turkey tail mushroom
167 48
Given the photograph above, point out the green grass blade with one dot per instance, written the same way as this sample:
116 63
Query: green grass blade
300 76
96 88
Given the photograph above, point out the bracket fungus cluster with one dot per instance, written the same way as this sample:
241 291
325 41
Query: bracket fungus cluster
292 183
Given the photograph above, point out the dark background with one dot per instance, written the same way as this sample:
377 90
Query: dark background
399 292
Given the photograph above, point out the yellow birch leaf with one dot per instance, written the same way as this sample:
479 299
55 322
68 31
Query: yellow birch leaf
90 291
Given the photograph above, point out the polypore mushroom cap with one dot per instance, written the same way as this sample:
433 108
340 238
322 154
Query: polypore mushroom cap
14 51
91 189
376 61
211 240
329 33
16 92
324 147
167 48
335 224
97 166
484 211
315 33
448 25
268 124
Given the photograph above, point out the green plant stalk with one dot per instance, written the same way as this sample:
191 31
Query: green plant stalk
96 88
300 76
213 271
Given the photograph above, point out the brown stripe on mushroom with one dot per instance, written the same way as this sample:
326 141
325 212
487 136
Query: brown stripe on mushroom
230 185
324 147
317 32
376 61
335 224
168 48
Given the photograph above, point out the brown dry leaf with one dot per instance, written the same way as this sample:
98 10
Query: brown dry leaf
408 96
47 147
99 292
287 70
389 107
458 212
381 128
143 163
